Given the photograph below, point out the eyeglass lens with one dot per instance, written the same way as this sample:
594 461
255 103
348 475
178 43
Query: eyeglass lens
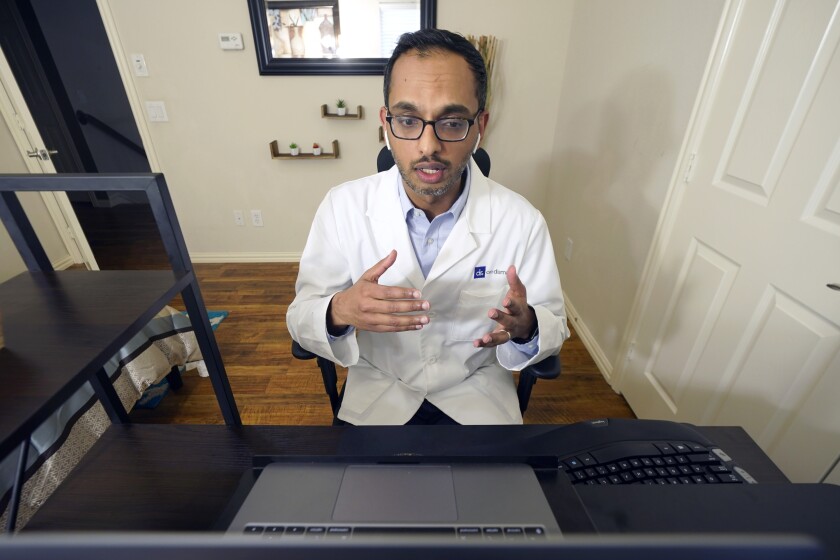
411 128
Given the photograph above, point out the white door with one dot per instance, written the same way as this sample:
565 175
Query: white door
738 325
14 111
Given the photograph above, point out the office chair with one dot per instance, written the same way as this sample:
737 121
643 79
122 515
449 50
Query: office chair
548 368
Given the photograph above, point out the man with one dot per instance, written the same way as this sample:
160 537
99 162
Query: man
415 278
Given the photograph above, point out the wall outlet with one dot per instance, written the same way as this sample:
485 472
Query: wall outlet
568 252
256 218
156 111
238 218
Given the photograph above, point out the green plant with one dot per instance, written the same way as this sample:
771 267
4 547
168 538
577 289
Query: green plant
293 145
340 104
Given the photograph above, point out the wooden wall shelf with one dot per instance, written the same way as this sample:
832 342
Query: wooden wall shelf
275 152
359 114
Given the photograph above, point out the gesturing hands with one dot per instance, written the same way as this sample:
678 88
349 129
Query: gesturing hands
517 320
370 306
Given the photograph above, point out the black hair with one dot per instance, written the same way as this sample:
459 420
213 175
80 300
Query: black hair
428 41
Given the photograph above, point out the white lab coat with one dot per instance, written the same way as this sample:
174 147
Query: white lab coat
390 374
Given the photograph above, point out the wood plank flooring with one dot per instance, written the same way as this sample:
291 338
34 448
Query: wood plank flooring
271 387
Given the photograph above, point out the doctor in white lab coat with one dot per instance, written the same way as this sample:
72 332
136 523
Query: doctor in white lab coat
413 329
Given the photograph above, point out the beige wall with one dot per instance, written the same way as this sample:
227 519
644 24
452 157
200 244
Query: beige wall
214 150
630 84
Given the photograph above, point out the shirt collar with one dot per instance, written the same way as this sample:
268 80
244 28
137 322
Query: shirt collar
455 209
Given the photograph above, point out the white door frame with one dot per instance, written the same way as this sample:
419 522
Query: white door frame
15 112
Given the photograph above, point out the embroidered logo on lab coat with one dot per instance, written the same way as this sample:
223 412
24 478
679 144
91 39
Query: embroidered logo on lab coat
479 272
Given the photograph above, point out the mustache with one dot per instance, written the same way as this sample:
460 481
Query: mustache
429 160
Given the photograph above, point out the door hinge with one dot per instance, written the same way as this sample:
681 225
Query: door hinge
689 167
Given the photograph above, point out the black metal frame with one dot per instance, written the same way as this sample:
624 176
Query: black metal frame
319 66
184 281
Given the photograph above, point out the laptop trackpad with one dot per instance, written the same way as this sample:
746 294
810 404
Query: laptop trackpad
396 494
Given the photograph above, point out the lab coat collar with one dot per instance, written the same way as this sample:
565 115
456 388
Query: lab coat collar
388 222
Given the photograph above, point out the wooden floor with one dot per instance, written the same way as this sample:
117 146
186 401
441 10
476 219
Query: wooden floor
271 387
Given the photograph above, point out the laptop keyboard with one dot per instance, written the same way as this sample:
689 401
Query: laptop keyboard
634 461
344 532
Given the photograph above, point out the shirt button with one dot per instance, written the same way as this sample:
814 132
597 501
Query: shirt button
429 241
432 360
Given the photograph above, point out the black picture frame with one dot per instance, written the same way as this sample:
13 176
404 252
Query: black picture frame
269 66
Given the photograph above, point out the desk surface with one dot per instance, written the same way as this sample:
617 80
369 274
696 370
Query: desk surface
182 477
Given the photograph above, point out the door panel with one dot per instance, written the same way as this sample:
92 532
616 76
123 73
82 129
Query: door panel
740 327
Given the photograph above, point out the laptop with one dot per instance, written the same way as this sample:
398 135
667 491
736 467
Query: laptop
347 500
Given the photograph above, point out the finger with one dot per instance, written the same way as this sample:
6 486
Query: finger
516 285
392 306
384 322
373 273
379 291
492 339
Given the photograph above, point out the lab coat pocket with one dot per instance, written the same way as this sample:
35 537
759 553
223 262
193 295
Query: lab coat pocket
470 320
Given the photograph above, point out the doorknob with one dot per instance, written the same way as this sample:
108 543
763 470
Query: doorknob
42 154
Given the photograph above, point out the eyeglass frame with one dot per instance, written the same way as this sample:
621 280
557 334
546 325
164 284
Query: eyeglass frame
470 122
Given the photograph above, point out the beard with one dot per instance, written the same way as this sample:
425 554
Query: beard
435 192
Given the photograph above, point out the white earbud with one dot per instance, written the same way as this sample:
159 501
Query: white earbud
387 143
477 143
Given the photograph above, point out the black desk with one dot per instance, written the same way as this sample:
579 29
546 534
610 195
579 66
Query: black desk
182 477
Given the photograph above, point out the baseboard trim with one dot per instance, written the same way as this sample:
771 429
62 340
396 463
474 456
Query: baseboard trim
63 263
244 257
604 365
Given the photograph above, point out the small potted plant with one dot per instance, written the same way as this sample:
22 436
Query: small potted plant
316 149
295 149
342 107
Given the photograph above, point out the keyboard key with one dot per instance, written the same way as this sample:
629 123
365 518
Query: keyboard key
698 479
635 463
702 458
603 481
685 469
718 468
295 531
514 532
686 480
674 471
669 460
648 481
680 447
274 531
698 469
592 473
711 479
672 480
493 533
253 530
646 462
638 474
624 465
649 473
627 477
660 481
573 463
728 478
614 479
613 468
580 475
587 460
601 470
657 461
680 459
590 482
316 532
469 532
339 532
665 448
534 533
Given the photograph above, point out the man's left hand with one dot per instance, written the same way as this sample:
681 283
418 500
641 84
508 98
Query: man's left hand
516 320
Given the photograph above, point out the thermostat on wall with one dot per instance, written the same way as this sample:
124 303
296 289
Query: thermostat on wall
231 41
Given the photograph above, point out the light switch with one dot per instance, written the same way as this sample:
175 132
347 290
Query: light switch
138 64
156 111
231 41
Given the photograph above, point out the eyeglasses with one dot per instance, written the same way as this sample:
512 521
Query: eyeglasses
447 130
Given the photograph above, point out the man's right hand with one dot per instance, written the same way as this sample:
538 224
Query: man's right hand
369 306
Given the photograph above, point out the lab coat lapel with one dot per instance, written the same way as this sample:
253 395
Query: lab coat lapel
474 225
389 229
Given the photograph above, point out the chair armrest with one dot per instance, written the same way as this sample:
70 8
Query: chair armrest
301 353
547 368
